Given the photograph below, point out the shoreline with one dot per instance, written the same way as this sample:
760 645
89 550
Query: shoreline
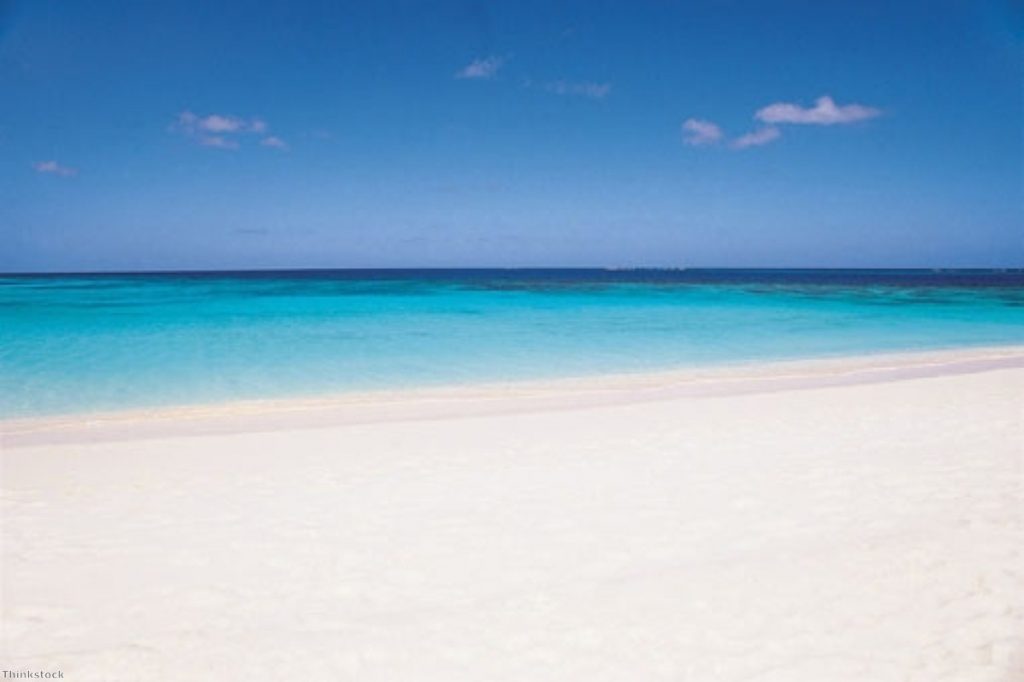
839 520
495 398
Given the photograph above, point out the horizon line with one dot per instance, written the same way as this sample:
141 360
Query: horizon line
529 268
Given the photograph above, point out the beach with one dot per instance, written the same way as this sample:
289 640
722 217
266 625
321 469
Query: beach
845 519
512 342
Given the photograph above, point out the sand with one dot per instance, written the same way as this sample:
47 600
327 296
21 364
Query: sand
858 519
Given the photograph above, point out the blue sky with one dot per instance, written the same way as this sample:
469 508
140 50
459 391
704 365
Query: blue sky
138 135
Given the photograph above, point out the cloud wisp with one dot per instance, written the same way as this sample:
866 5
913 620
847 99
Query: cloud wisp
274 141
481 69
700 133
54 168
824 112
218 141
222 131
585 89
756 138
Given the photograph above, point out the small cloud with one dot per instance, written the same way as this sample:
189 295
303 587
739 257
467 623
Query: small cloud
54 168
592 90
216 123
217 130
481 69
824 112
756 138
274 141
699 133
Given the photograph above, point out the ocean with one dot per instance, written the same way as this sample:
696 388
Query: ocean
83 343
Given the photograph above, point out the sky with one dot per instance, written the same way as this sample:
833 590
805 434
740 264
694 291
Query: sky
320 134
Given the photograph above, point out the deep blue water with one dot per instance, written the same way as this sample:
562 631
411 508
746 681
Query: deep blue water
72 343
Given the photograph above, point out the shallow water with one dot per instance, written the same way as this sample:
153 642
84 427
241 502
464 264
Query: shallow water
98 342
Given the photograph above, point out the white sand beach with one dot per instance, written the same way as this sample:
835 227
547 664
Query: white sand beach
858 519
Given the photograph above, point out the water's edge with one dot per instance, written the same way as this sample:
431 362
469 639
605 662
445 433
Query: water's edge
105 343
467 401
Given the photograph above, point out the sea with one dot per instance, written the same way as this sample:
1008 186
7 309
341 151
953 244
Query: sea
80 343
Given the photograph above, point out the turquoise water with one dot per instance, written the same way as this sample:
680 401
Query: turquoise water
85 343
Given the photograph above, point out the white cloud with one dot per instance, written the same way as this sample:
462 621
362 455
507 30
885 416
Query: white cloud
54 168
218 130
699 133
756 138
592 90
824 112
215 123
274 141
481 68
